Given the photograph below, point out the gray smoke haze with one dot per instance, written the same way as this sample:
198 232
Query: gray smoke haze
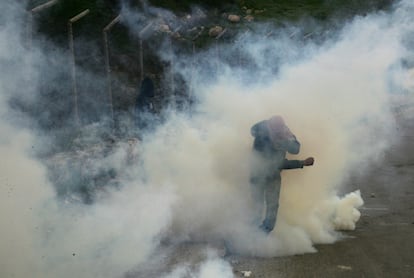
188 180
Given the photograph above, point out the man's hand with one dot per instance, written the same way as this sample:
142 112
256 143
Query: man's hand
308 161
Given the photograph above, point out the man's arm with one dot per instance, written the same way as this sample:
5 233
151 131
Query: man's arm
294 164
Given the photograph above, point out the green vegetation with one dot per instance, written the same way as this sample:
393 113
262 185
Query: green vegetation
124 50
53 21
319 9
102 11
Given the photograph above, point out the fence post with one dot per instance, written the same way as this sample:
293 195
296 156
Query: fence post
107 63
142 35
218 47
30 15
73 62
141 60
193 66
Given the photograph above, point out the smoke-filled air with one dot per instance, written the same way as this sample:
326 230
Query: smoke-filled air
187 179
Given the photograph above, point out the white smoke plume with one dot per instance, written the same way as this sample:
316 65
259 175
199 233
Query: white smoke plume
336 99
191 178
211 266
43 236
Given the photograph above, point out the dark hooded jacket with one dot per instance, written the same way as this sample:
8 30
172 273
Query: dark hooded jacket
144 108
270 160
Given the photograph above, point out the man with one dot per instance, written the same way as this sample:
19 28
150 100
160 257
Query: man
144 108
272 139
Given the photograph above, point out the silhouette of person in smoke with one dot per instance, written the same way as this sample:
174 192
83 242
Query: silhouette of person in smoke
144 107
272 139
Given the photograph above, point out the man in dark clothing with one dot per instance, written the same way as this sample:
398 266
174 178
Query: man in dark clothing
272 139
144 108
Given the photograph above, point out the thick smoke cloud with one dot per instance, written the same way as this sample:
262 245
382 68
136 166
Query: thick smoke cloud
188 180
45 236
335 97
